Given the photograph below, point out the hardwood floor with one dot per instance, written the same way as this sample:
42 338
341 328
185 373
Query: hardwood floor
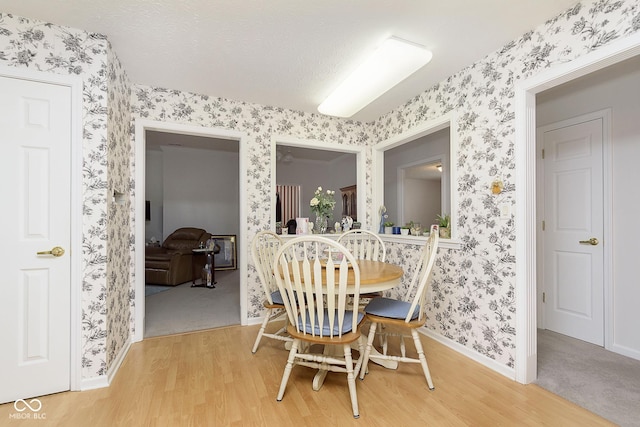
211 378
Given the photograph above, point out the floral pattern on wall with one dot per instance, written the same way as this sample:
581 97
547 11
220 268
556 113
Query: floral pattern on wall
473 295
259 124
119 171
472 301
45 47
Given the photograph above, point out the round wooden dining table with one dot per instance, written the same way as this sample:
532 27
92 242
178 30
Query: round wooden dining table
375 276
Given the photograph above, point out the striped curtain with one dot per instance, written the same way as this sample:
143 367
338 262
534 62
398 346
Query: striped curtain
290 201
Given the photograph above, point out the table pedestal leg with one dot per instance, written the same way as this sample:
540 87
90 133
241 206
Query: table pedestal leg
332 350
318 379
389 364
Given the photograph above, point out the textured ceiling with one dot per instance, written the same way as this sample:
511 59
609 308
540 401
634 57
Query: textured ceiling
289 53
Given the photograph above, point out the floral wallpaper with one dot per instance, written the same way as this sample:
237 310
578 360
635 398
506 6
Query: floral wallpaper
259 124
473 297
50 48
472 300
119 226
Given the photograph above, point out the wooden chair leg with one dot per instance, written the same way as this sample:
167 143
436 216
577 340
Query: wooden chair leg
361 347
261 331
367 351
351 379
423 359
288 368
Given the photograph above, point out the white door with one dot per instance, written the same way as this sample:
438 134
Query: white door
573 235
35 144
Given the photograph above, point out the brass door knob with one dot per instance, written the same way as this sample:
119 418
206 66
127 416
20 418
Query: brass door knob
592 241
56 251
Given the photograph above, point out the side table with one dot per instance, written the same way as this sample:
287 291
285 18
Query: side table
204 252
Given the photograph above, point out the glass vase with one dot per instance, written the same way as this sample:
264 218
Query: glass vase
320 226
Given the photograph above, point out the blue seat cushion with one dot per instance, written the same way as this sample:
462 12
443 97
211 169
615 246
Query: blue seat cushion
326 330
391 308
277 298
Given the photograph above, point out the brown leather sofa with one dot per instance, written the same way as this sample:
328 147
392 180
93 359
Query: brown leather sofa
171 263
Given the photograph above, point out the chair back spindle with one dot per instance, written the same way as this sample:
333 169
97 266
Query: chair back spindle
311 273
264 247
364 244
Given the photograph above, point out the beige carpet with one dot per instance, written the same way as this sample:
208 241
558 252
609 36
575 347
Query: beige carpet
601 381
184 309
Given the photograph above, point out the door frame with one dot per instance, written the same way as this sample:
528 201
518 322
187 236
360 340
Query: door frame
75 328
526 356
141 126
607 211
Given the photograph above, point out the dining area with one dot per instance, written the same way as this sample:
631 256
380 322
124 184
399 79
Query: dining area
330 300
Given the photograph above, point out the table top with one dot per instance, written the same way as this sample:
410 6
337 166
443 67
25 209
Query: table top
205 250
375 276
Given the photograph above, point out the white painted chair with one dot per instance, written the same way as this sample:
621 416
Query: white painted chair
311 273
263 250
409 312
364 244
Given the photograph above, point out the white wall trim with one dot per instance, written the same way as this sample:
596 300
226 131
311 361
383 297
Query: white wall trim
607 230
76 86
471 354
76 234
255 321
455 244
117 362
625 351
141 126
525 143
101 381
291 141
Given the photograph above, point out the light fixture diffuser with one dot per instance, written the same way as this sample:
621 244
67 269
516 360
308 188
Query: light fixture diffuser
392 62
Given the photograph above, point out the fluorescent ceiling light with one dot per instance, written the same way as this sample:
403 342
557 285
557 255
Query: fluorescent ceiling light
392 62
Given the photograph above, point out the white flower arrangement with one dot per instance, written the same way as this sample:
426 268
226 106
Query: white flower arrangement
323 202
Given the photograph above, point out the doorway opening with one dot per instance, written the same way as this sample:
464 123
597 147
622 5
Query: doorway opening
526 225
142 127
573 173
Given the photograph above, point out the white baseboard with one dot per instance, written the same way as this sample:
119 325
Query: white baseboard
255 321
626 351
100 381
103 381
482 359
115 366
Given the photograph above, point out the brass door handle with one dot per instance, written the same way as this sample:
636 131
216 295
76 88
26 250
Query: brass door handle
592 241
56 251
